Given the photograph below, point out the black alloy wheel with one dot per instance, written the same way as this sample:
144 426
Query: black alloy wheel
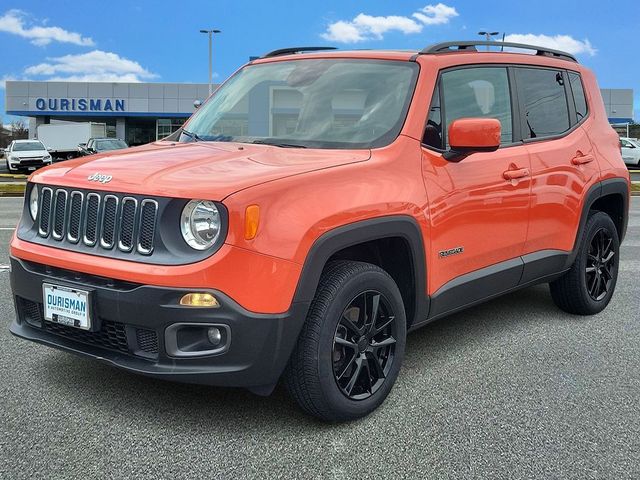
364 345
587 287
600 266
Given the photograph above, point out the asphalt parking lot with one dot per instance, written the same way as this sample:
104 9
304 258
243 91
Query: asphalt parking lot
511 389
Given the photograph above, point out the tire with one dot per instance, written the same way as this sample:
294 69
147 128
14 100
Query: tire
578 290
327 347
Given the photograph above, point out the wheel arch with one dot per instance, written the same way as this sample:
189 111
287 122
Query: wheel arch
337 242
610 196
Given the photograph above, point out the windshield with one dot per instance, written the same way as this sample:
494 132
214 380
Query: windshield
27 146
110 145
309 103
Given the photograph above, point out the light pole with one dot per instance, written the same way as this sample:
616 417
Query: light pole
210 33
488 36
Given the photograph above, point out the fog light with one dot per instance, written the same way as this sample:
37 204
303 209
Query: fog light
199 300
214 335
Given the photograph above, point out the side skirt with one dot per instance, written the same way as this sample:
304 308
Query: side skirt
490 282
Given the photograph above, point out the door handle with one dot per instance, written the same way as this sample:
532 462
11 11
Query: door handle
582 159
514 174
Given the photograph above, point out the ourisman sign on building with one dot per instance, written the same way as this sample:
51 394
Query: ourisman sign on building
80 104
135 112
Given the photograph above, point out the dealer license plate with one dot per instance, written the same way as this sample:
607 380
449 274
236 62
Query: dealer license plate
66 306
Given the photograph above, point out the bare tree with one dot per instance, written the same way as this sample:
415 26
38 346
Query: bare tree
5 136
19 130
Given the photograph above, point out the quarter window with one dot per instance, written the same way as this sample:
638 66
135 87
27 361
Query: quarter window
544 99
433 129
578 95
478 93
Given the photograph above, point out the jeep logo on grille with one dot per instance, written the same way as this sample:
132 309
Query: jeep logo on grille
99 177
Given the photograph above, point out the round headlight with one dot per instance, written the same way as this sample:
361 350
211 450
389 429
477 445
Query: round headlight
33 202
200 224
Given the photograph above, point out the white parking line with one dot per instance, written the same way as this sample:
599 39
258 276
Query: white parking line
7 228
4 268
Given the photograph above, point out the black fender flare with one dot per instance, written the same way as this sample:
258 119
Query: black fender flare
403 226
610 186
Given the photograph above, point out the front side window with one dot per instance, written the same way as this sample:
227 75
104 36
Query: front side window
320 103
542 93
481 92
27 146
626 144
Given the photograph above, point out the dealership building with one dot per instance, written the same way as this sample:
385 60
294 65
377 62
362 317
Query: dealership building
136 112
143 112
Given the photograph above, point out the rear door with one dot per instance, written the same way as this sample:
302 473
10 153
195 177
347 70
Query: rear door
478 215
553 111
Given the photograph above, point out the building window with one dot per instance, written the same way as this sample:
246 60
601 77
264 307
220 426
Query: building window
166 126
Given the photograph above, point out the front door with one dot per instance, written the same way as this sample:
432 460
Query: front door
478 207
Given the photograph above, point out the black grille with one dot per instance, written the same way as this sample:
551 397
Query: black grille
91 223
147 340
127 224
45 211
147 226
109 219
100 220
75 217
31 312
112 335
30 163
60 212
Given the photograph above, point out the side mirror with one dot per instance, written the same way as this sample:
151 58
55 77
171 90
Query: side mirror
471 135
197 104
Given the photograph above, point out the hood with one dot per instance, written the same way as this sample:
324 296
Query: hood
29 153
207 170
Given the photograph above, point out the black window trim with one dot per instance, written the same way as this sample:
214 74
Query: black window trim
573 96
516 104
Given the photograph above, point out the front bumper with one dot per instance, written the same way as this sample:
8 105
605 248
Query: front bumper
131 323
25 164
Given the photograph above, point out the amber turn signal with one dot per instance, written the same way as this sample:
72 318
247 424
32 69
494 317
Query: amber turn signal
251 221
199 300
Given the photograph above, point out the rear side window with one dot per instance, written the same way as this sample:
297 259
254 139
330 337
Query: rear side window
544 99
578 95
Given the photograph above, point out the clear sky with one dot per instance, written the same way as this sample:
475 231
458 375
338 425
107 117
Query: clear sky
160 41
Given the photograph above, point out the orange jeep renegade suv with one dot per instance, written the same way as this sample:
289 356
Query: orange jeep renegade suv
319 206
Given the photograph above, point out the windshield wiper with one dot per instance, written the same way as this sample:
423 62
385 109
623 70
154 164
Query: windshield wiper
192 135
275 143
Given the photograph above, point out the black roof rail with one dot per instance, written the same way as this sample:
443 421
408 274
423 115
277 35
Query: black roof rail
291 50
470 45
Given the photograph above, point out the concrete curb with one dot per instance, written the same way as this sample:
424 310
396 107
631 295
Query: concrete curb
16 176
12 189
